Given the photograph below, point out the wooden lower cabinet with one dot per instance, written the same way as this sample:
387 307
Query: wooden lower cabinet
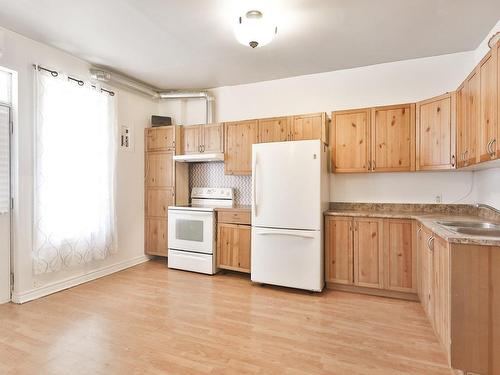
368 256
339 250
156 241
233 239
233 247
371 253
400 255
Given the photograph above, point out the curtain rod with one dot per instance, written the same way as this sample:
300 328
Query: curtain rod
54 73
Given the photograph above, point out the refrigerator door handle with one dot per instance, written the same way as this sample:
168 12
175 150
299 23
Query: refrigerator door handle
290 234
254 185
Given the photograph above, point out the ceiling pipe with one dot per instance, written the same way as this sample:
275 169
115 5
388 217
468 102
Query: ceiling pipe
106 76
177 95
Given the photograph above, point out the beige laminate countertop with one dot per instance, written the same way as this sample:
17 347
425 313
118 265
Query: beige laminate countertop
429 221
239 207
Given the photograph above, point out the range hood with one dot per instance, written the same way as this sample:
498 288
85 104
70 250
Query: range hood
197 158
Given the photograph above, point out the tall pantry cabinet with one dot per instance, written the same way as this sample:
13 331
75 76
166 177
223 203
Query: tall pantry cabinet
165 184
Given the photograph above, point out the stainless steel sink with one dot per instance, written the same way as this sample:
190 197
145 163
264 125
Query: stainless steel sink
479 232
480 225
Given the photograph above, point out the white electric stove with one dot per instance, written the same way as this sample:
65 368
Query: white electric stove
191 230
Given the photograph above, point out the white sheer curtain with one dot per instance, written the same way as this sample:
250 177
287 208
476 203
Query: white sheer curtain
74 202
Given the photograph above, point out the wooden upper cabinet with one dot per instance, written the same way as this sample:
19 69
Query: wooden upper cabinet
488 129
202 138
191 139
310 126
213 138
160 138
350 140
239 138
462 131
400 255
339 250
368 255
393 138
436 138
496 50
274 129
159 169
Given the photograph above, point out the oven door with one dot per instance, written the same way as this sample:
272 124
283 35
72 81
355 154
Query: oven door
191 231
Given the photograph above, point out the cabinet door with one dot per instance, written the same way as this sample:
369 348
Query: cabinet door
441 290
462 128
239 138
339 250
368 257
274 129
400 255
349 139
213 135
156 237
436 136
311 126
157 201
159 169
191 139
393 138
233 247
487 142
161 138
426 273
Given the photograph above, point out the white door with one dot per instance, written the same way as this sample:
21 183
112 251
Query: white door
292 258
4 203
191 231
286 185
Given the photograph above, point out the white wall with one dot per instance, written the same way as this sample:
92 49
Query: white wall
19 53
397 82
390 83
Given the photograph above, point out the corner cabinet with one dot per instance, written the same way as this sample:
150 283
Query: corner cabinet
164 185
239 138
436 137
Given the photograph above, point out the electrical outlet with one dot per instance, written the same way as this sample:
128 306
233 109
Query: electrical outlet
439 198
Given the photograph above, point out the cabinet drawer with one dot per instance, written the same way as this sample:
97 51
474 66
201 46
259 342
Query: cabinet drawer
234 217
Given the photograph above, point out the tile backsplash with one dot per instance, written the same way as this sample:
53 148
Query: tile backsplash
212 175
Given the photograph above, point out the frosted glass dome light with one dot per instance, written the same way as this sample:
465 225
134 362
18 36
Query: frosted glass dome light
254 30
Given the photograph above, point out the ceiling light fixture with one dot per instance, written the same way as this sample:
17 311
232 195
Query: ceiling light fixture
255 30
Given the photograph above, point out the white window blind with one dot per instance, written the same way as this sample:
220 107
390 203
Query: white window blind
4 160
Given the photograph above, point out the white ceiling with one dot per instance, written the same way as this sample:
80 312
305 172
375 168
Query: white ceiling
177 44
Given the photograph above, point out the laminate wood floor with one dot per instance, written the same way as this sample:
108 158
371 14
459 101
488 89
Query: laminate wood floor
152 320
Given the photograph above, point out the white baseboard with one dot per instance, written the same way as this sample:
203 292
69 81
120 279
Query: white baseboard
4 301
76 280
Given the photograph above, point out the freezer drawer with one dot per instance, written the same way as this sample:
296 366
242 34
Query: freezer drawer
195 262
292 258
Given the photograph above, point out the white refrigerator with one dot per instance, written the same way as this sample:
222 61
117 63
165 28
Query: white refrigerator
290 192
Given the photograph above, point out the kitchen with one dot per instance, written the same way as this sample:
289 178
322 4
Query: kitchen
340 220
